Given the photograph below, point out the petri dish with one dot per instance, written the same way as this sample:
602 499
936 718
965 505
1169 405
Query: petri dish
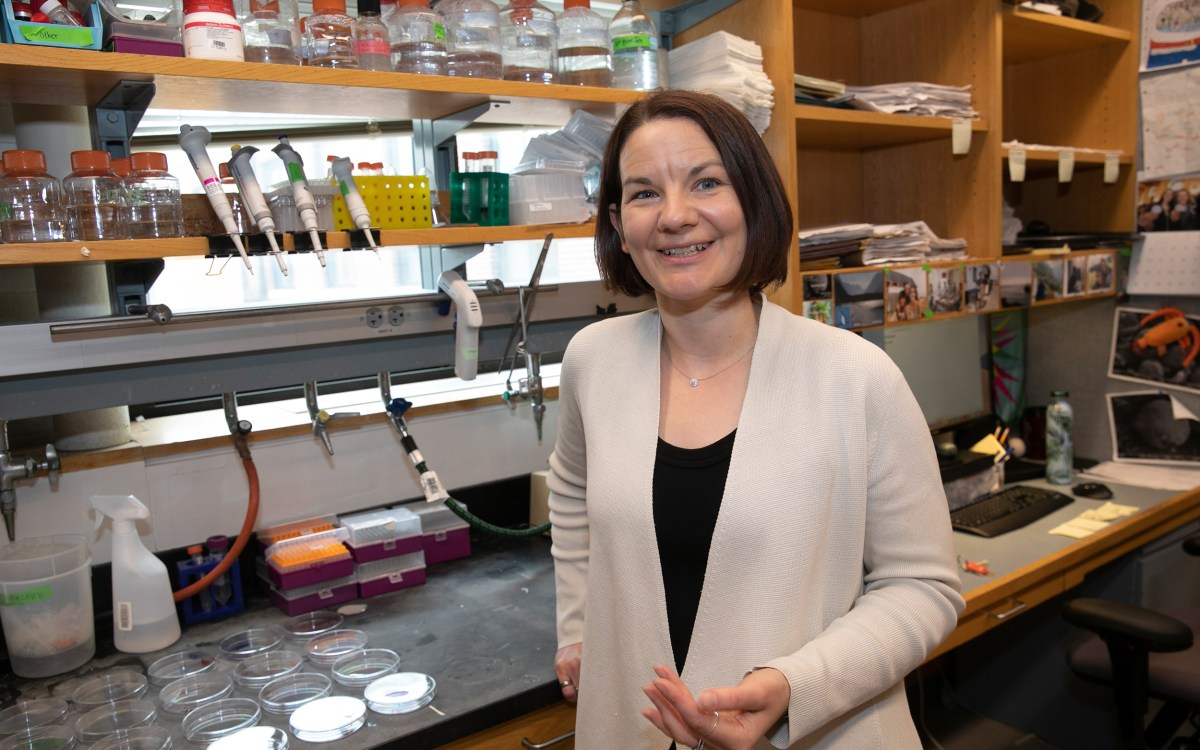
303 628
254 738
325 649
181 664
285 694
38 712
109 688
140 738
400 693
328 719
260 669
247 643
52 737
359 668
217 719
187 693
99 723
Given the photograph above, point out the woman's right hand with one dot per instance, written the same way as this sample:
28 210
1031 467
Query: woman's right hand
566 666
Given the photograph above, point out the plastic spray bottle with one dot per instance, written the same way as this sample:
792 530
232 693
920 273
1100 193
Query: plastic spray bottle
144 617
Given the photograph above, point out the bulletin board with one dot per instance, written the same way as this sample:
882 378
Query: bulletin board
1167 264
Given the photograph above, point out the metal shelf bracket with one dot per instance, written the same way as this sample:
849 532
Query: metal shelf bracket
117 114
683 16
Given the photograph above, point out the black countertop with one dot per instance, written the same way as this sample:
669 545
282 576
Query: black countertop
482 627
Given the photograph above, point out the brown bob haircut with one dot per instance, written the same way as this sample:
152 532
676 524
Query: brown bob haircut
751 172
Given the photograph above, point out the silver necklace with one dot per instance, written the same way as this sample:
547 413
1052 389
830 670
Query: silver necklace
695 382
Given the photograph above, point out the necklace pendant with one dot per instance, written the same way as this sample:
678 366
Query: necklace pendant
694 382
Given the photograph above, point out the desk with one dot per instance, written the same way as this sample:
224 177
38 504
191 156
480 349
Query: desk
1030 566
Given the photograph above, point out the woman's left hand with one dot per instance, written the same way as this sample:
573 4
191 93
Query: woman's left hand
731 718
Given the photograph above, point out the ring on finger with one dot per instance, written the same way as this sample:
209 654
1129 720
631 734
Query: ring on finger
567 682
699 744
713 728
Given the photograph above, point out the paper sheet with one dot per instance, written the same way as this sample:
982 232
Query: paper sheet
1143 475
1170 123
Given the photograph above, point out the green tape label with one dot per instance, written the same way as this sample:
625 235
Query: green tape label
28 596
73 36
295 172
439 32
343 187
633 41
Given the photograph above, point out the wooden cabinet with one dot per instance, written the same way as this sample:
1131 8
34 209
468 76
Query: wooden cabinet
538 727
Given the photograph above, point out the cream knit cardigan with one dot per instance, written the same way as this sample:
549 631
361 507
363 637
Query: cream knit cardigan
831 560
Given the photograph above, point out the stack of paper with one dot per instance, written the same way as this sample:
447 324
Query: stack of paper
731 68
915 99
913 242
821 92
831 243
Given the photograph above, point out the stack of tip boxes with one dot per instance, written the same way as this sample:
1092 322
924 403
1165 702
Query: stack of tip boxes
322 562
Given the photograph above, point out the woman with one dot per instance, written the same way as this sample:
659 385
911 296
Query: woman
740 496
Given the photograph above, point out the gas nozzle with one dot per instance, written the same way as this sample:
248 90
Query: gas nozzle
194 142
252 196
467 322
305 205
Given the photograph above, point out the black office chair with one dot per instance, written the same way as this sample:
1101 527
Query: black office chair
1142 653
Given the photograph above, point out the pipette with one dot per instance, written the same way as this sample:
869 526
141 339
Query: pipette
359 214
194 141
303 196
252 198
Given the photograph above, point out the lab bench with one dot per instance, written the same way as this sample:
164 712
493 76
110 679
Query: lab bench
482 627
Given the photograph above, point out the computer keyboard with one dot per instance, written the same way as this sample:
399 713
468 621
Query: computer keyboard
1007 510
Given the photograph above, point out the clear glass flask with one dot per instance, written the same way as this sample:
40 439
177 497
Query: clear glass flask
584 49
371 46
529 42
472 38
271 32
95 199
635 48
155 204
418 37
329 36
31 201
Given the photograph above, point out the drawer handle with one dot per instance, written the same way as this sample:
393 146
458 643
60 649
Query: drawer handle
548 743
1017 607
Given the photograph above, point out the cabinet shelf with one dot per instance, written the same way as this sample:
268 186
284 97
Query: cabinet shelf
113 250
1040 161
1030 36
858 9
828 127
47 75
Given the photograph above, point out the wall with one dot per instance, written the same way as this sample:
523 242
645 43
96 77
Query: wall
194 496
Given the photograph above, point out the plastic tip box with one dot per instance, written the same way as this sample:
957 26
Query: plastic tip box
381 534
292 529
444 536
390 574
309 559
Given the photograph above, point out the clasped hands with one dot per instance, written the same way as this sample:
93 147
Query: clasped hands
728 718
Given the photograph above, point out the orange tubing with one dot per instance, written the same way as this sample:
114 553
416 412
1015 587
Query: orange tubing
239 544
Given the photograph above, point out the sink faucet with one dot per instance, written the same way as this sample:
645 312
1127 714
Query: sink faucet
12 469
321 418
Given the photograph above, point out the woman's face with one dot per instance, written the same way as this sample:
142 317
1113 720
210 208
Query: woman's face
679 217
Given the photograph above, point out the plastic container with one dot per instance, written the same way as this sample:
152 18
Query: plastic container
31 200
394 202
444 536
298 527
287 218
584 49
390 574
250 642
1060 453
144 617
372 48
361 668
254 738
400 693
58 14
550 198
418 38
305 560
154 28
479 198
286 694
20 28
95 199
297 601
155 203
138 738
188 693
260 669
46 604
472 38
181 664
41 738
211 30
329 36
304 628
101 722
219 718
325 649
328 719
635 48
271 32
25 715
109 688
528 42
383 533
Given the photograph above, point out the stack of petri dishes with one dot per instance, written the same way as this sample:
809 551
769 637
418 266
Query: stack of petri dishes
304 628
327 648
25 715
260 669
247 643
49 737
359 668
328 719
140 738
181 664
400 693
188 693
254 738
109 688
100 722
220 718
285 694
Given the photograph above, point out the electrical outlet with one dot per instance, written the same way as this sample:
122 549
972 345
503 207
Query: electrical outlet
395 316
374 317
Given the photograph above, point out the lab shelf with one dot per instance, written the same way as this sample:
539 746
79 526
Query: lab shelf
84 77
111 250
1042 162
827 127
1029 35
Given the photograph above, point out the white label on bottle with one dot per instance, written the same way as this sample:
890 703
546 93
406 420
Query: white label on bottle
1016 164
125 616
1066 165
1112 167
960 136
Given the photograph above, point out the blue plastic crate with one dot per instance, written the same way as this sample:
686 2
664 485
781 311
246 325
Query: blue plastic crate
52 35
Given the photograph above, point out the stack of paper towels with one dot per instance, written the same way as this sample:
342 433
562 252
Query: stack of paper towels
731 68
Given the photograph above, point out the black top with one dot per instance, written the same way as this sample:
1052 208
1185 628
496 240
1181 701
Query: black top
688 485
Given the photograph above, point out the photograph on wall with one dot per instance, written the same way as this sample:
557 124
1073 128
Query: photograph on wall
946 290
1170 33
1153 427
981 290
858 299
1168 205
818 297
1047 279
905 294
1016 283
1100 273
1156 346
1076 283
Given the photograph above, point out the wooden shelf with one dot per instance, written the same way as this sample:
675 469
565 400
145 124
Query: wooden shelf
1042 162
114 250
828 127
857 9
48 75
1029 35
